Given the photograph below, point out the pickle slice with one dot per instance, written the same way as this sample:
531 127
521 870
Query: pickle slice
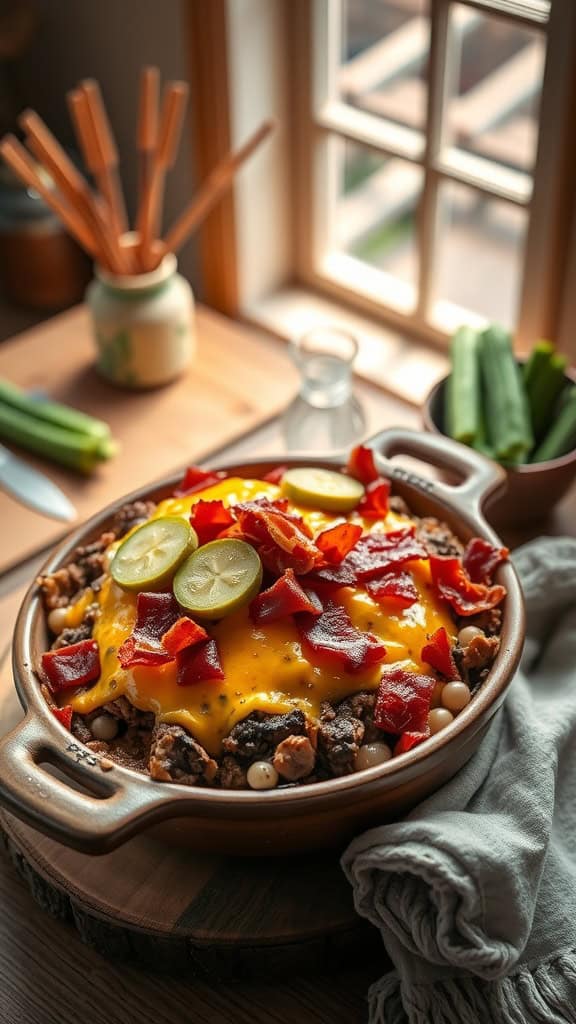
322 488
148 558
218 578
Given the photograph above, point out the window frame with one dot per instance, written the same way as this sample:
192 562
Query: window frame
276 68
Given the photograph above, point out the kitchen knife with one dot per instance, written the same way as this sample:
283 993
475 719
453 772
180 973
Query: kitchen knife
32 488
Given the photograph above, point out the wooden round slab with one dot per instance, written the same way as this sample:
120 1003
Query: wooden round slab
171 909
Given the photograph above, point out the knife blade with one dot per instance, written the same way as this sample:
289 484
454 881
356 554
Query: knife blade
32 488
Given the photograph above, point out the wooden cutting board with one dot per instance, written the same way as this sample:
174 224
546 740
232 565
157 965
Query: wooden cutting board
237 380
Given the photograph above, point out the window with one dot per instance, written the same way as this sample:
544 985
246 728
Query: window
422 174
423 137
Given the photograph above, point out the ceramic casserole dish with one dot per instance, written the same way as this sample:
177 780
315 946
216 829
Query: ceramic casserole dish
52 782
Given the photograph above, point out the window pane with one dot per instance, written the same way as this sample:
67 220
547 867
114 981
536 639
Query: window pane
479 260
495 77
384 57
375 212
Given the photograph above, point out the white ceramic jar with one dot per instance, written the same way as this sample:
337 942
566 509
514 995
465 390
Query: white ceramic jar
143 325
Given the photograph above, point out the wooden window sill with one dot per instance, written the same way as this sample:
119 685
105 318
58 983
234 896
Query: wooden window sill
398 365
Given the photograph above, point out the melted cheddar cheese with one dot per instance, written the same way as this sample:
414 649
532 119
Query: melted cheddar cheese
264 666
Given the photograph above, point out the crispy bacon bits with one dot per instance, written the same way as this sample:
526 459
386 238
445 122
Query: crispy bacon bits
438 654
361 465
403 701
281 539
209 519
75 665
274 476
197 479
336 542
155 614
285 597
374 503
64 715
183 633
397 587
453 583
332 637
481 559
408 740
199 663
374 555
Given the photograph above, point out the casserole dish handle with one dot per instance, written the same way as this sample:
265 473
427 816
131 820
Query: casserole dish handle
63 791
479 476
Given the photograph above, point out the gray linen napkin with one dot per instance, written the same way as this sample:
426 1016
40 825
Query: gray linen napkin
475 891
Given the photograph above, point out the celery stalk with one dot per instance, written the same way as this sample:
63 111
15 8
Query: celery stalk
77 451
52 412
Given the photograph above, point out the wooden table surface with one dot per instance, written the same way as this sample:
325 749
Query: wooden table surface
237 383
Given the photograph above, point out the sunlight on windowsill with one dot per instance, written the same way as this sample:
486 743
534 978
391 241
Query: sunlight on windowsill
394 362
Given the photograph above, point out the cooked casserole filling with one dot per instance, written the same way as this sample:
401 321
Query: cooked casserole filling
262 633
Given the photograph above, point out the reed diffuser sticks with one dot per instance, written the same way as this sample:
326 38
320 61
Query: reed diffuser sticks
96 217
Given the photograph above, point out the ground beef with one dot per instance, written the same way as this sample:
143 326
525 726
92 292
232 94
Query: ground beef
294 758
231 774
480 652
132 515
339 740
490 621
255 737
398 505
438 538
74 634
134 718
86 569
176 757
361 706
81 730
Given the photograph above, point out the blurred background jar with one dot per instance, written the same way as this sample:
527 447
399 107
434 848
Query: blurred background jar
41 267
143 325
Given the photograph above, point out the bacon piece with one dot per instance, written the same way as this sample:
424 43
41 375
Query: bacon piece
337 541
199 664
196 479
184 633
209 519
438 653
373 556
375 502
403 701
332 637
274 476
131 654
64 715
280 537
155 613
394 586
453 583
481 559
408 740
285 597
361 464
75 665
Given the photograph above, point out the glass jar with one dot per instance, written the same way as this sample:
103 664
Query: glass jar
143 325
325 415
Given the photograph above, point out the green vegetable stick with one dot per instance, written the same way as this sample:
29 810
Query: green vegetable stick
506 407
77 451
538 358
52 412
543 392
561 438
463 405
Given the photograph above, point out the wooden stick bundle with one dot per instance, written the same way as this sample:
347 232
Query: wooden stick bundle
97 219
